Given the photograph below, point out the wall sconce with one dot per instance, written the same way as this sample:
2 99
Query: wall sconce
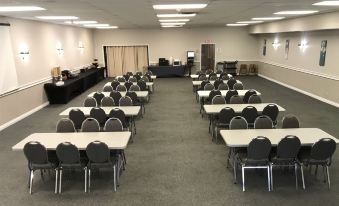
81 47
59 49
276 44
303 45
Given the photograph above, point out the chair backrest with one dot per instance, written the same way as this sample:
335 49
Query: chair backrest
263 122
137 77
116 97
217 82
272 111
125 101
231 82
288 147
259 148
90 102
77 116
35 153
67 153
99 114
148 77
290 121
222 86
121 79
229 94
209 71
107 102
198 72
119 114
114 84
133 79
121 88
138 73
212 94
128 85
238 86
129 73
142 85
248 94
108 88
236 99
225 115
113 125
133 96
323 149
254 99
202 77
90 125
238 122
219 70
224 76
208 86
126 76
203 83
65 125
134 88
97 152
145 78
218 99
149 72
98 96
250 113
213 77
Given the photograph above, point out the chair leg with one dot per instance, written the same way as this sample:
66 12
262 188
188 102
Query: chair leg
328 177
115 177
271 168
324 173
85 179
31 181
56 181
302 175
243 177
60 179
269 178
89 180
296 176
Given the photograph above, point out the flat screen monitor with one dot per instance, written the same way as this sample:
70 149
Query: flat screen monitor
190 54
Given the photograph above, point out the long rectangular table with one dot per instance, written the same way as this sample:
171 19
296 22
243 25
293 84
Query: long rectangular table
140 94
167 71
216 108
152 77
242 138
114 140
198 83
206 93
150 85
129 111
196 76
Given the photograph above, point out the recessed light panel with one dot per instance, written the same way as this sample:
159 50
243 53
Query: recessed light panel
173 23
301 12
327 3
174 20
179 6
268 18
236 24
107 27
20 8
96 25
57 17
249 22
175 15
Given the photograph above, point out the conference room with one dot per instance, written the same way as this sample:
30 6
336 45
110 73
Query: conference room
168 102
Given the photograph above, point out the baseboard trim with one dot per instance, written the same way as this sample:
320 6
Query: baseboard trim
301 91
21 117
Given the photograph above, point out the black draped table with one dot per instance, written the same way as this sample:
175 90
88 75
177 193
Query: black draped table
167 71
73 87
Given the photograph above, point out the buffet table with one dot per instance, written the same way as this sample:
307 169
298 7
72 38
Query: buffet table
167 71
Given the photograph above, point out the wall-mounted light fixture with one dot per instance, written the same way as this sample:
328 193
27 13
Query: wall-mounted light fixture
303 45
81 47
276 44
23 51
59 49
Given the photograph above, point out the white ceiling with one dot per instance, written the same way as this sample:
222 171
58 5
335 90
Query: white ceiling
140 14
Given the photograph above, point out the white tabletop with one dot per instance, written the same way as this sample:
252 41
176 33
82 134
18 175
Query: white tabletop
242 138
140 94
150 84
152 76
206 93
114 140
128 110
196 76
216 108
198 83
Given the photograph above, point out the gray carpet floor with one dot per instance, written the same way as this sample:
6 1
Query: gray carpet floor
172 160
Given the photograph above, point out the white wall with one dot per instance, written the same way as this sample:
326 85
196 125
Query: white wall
41 39
231 43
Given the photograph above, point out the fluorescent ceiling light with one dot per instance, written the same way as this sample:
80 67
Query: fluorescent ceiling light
171 26
175 15
236 24
295 12
106 27
174 20
327 3
173 23
20 8
96 25
267 18
57 17
81 22
249 22
179 6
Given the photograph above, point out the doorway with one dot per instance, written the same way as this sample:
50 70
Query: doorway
207 57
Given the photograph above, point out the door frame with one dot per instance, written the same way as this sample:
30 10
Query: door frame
200 49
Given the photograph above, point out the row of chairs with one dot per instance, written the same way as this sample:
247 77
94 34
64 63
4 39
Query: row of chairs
220 85
260 155
115 85
68 157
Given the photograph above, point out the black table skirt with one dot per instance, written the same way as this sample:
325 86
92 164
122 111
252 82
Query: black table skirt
167 71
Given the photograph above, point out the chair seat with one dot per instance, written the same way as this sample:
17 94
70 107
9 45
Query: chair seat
242 157
304 157
283 161
104 164
50 165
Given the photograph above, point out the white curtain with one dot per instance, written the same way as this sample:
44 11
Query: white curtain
123 59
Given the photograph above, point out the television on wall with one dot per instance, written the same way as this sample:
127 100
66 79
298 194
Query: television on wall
190 54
